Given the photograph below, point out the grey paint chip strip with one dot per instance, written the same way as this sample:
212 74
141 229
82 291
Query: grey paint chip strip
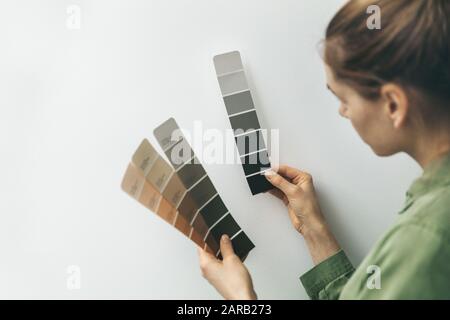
242 115
202 192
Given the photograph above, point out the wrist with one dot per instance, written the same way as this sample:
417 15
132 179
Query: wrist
247 295
252 295
314 226
315 231
321 243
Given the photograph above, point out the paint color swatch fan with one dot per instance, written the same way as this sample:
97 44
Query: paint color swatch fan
182 194
244 120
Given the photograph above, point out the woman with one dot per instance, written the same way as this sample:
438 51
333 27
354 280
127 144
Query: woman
394 87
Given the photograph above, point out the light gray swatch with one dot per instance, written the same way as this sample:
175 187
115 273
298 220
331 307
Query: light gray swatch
233 83
228 62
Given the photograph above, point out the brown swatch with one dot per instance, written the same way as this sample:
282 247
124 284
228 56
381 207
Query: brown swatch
135 184
151 164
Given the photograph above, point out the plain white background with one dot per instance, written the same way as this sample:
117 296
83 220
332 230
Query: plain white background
76 103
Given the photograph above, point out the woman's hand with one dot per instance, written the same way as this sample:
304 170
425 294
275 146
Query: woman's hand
296 189
230 277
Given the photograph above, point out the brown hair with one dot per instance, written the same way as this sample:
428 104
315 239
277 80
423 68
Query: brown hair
412 48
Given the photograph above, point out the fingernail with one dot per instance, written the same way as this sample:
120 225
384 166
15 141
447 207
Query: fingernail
225 238
269 174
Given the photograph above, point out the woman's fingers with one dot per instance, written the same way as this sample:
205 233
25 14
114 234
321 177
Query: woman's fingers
290 172
204 256
296 176
207 261
277 193
280 195
280 182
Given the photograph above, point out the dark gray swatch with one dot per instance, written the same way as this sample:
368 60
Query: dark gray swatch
255 162
213 211
239 102
249 143
226 226
203 191
246 122
258 183
190 173
243 245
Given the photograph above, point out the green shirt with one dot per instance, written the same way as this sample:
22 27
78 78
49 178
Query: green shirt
411 260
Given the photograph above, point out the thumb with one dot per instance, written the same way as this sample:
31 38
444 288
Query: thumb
281 183
226 247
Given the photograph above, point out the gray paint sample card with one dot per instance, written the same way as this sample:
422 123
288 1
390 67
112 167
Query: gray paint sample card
243 119
211 208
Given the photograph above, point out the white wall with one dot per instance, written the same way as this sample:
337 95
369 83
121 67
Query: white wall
76 103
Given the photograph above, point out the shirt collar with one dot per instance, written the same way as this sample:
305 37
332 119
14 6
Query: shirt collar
436 174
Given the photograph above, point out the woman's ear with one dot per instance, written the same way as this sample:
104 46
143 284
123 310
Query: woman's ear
396 104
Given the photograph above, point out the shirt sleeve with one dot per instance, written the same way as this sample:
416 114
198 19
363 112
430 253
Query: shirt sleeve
326 280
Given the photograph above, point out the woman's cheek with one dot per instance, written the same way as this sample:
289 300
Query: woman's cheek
361 127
